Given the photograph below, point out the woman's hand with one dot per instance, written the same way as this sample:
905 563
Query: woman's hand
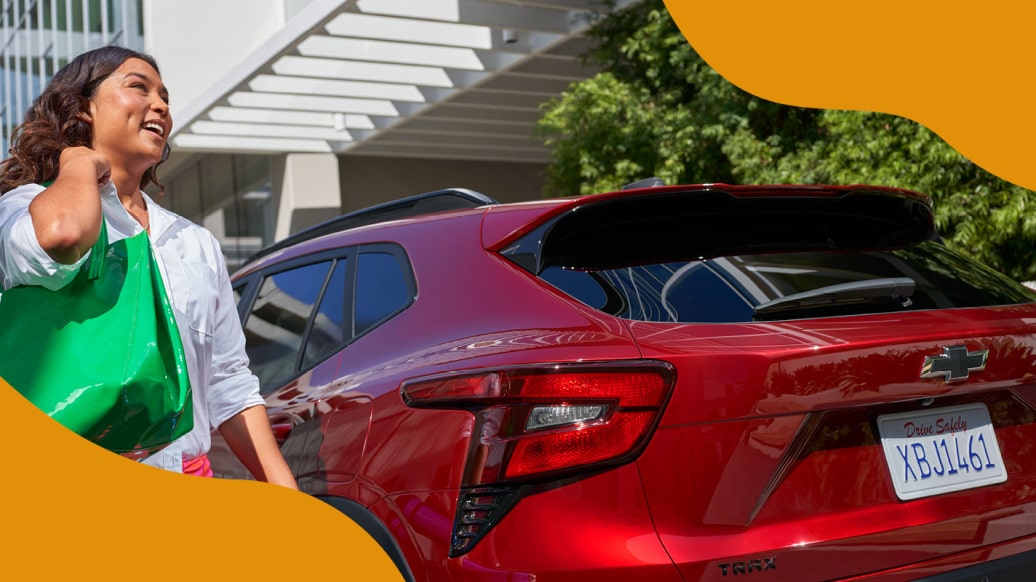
250 437
82 159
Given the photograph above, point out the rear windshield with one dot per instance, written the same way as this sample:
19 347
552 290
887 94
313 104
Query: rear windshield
781 286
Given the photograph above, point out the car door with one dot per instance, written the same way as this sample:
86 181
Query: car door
298 319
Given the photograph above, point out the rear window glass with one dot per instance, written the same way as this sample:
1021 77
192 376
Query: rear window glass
732 288
381 288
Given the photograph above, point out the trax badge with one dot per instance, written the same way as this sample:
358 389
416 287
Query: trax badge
954 364
749 567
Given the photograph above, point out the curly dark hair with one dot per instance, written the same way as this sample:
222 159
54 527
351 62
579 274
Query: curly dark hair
53 121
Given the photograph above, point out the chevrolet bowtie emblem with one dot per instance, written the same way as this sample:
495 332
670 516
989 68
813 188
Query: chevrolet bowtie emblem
954 364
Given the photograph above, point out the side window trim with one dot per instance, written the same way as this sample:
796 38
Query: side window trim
308 328
349 256
248 290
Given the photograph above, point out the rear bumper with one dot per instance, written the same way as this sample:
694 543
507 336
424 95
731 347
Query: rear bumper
1006 562
1018 567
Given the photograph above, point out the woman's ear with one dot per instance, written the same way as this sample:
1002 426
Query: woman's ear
84 117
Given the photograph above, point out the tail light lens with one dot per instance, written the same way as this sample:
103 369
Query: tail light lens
537 422
534 423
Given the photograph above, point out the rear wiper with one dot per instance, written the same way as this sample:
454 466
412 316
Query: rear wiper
871 291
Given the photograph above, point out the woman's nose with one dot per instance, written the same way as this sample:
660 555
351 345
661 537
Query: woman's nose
159 102
161 107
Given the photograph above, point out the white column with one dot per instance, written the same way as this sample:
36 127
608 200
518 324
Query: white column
301 182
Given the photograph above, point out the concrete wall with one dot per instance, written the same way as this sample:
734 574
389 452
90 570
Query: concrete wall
369 180
305 191
222 33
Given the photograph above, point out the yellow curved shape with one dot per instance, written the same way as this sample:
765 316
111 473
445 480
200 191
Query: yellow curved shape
74 511
959 68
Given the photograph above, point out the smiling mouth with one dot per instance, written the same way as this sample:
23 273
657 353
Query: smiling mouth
155 127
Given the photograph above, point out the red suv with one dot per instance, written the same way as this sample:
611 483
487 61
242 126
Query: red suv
662 383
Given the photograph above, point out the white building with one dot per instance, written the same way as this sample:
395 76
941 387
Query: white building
289 112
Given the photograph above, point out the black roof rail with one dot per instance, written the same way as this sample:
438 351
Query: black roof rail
419 204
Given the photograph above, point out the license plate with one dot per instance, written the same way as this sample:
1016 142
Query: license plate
941 450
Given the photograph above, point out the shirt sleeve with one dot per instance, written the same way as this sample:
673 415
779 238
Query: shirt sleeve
232 385
22 260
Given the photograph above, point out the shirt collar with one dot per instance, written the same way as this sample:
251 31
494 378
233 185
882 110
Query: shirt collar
160 218
120 220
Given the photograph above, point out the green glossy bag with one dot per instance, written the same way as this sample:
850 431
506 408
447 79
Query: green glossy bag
102 355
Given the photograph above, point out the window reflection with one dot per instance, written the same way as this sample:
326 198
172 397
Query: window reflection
274 330
726 289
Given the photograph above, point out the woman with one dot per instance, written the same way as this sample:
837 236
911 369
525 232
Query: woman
95 136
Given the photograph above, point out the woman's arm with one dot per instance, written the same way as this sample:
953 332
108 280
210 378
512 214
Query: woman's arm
251 439
67 215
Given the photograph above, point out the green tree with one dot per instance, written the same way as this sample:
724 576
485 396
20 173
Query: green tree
657 109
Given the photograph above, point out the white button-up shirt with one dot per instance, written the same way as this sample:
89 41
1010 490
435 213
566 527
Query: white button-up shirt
196 279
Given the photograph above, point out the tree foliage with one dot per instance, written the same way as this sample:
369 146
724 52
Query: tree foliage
657 109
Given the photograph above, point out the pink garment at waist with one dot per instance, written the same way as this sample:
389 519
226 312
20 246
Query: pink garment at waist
198 466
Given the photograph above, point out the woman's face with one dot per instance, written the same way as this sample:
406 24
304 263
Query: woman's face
130 117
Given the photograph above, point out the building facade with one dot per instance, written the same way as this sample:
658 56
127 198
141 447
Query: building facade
289 112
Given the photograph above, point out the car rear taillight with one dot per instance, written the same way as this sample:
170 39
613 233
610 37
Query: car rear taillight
535 423
542 420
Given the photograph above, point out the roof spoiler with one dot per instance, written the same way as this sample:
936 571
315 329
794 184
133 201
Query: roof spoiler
693 224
